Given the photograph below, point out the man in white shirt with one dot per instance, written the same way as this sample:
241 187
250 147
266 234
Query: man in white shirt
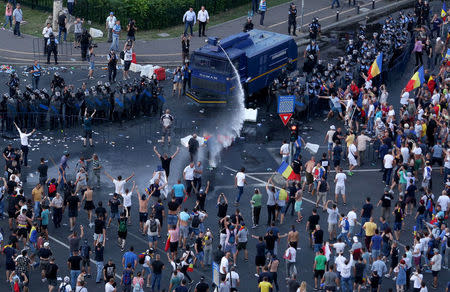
284 151
188 176
388 163
339 180
189 20
443 201
46 33
110 22
24 143
223 269
232 278
239 182
352 163
109 287
119 183
370 116
351 216
203 18
329 139
362 141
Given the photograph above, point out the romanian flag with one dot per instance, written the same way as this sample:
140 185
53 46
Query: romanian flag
375 68
416 81
431 84
444 11
286 171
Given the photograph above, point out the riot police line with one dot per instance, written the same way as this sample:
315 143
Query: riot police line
62 106
395 40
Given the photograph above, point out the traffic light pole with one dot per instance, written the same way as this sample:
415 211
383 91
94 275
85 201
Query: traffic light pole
291 152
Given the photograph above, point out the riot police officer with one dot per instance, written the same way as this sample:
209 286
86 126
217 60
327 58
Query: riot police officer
314 29
52 47
292 19
13 84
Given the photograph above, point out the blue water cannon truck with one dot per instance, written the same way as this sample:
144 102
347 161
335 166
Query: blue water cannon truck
259 56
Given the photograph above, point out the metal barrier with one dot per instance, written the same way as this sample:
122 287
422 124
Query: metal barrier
64 49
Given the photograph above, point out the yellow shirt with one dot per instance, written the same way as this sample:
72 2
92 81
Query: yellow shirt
264 286
37 194
370 228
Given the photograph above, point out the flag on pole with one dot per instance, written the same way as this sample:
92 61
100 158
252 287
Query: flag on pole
416 80
375 68
444 11
286 171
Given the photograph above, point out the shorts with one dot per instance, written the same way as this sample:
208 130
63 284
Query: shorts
336 163
143 217
340 190
196 231
410 200
44 227
298 206
260 261
173 246
152 238
435 273
309 178
73 213
230 248
131 38
122 235
439 161
114 215
416 260
359 280
318 273
77 37
397 226
172 219
98 237
282 208
147 270
52 282
184 231
22 232
200 256
352 160
332 227
294 244
330 146
85 262
167 130
91 65
10 266
89 205
242 245
126 66
11 213
88 134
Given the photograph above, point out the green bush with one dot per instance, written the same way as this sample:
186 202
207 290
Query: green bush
149 14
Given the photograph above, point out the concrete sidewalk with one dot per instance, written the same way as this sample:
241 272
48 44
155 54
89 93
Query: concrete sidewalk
167 52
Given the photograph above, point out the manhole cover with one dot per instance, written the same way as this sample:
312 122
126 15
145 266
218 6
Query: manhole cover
364 9
163 34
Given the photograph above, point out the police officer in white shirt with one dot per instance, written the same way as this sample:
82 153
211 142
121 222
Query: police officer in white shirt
24 143
203 18
189 20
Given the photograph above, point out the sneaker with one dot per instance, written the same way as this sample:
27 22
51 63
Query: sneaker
256 275
387 275
148 285
254 226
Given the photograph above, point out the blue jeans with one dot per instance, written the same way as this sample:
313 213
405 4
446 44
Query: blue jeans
335 2
370 124
375 254
240 192
8 19
99 272
62 30
188 24
73 278
35 81
317 247
344 237
115 43
347 285
156 279
387 176
36 208
298 150
419 222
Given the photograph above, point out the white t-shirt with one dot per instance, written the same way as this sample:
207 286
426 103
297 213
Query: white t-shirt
189 172
443 202
119 184
223 265
371 110
352 151
111 20
436 259
404 98
340 179
127 199
391 113
109 287
330 134
293 253
417 280
24 138
284 150
405 154
351 216
388 160
234 279
339 247
240 178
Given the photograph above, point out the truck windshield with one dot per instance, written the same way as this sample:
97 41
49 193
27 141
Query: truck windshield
209 64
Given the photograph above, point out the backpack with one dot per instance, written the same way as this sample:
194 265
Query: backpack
141 258
346 225
153 226
52 188
84 251
63 288
232 237
137 287
122 55
122 226
195 221
429 204
126 277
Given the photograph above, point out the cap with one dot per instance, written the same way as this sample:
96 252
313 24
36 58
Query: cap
386 189
435 250
66 279
406 126
402 262
201 190
46 244
355 238
332 127
111 13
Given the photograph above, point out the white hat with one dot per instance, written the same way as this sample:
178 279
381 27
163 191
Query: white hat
332 127
406 126
46 244
355 239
